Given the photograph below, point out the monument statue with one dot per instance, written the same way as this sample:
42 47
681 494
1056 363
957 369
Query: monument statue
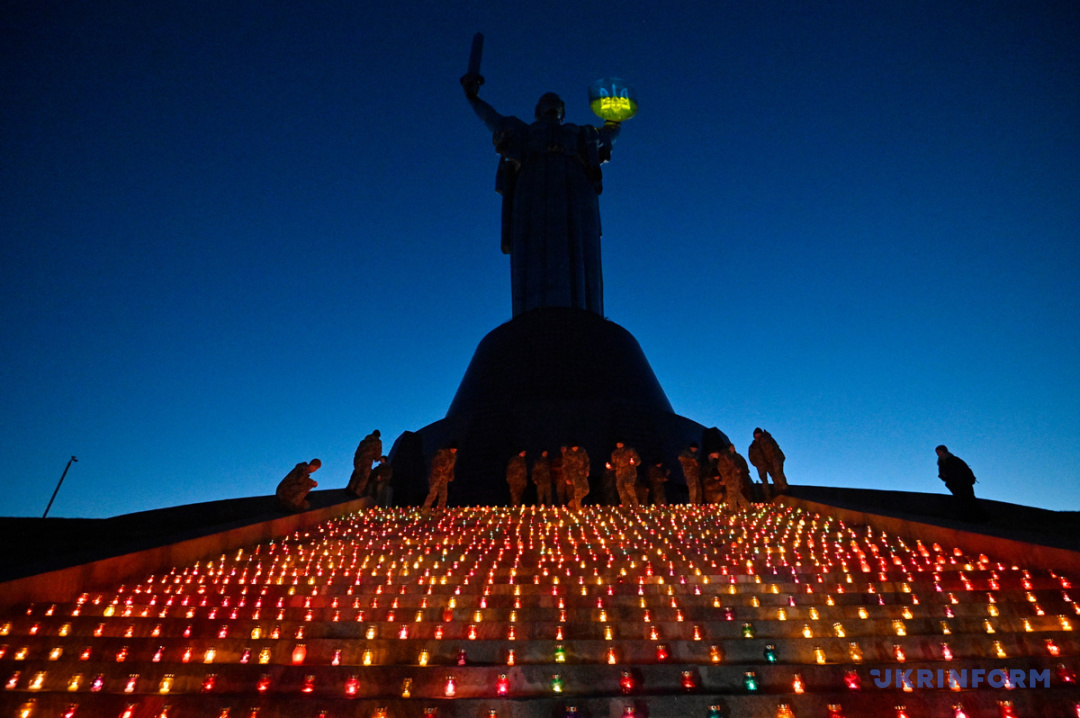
550 180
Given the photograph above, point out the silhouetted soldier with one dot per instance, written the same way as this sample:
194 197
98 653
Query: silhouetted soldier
381 476
293 490
735 475
609 486
960 480
564 486
576 472
626 462
370 448
541 476
765 454
442 473
517 477
691 468
658 476
712 486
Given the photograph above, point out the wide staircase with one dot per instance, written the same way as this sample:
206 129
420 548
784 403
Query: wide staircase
494 611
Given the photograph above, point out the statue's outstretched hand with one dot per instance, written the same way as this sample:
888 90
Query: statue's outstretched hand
471 83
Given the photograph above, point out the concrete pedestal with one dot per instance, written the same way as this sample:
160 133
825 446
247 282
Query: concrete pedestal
548 378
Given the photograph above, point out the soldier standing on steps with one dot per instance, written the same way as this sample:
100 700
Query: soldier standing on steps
626 462
736 477
381 476
576 473
608 486
563 484
442 473
712 486
517 477
541 476
658 476
765 454
691 469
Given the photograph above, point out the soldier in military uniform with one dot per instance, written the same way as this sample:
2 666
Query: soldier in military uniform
292 491
563 485
658 476
608 486
735 475
626 462
379 484
712 486
765 454
541 476
517 477
576 472
370 448
442 473
691 469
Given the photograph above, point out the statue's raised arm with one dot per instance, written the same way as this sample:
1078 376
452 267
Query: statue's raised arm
486 113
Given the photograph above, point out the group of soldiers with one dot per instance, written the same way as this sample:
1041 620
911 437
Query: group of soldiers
722 478
570 481
292 491
726 475
368 481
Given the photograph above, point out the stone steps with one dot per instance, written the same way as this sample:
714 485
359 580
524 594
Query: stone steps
660 611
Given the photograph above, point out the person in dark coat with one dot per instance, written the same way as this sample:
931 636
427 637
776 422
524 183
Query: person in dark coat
960 480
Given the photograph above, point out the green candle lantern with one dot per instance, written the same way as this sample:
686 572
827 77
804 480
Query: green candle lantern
612 99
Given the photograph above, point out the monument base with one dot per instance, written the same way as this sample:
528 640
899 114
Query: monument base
545 379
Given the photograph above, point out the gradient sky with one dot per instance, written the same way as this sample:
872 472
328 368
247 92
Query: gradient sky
238 235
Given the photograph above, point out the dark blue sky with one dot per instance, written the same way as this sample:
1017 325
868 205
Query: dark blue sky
238 235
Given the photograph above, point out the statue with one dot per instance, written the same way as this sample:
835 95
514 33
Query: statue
550 180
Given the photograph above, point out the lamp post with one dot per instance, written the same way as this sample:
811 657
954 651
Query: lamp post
54 493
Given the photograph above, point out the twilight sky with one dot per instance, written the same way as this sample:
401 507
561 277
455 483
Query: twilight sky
237 235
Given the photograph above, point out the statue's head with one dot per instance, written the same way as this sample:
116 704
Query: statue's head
550 107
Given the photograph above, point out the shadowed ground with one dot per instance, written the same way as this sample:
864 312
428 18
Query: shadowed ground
36 545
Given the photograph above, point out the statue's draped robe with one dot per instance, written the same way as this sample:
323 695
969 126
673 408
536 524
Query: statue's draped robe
550 180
